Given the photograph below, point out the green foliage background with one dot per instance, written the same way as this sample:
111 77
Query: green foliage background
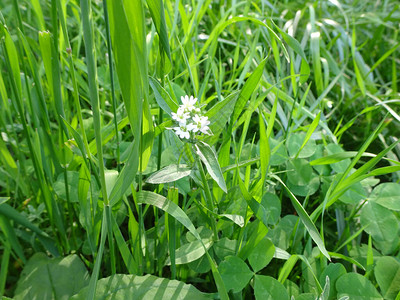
296 195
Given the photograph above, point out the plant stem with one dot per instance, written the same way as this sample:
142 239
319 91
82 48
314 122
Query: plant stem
208 197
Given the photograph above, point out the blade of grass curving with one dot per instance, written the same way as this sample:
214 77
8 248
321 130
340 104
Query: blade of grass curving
11 237
12 214
174 210
310 131
305 218
219 28
296 47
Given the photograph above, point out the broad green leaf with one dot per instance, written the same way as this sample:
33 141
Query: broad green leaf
170 173
163 99
333 271
387 274
381 223
261 255
219 114
259 209
305 190
354 194
60 190
279 153
387 194
122 286
296 148
273 204
225 247
268 288
299 171
190 252
51 278
209 158
235 273
356 287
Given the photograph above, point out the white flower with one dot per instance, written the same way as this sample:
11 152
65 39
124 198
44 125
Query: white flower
188 103
199 123
182 131
180 116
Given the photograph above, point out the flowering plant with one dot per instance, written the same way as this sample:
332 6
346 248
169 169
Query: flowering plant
189 119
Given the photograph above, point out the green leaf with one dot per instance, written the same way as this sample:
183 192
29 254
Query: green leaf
170 173
310 131
157 14
296 47
262 254
51 278
296 148
225 247
381 223
11 213
305 218
387 194
259 209
163 99
248 89
190 252
356 287
175 211
235 273
387 274
210 160
11 238
268 288
122 286
333 271
299 171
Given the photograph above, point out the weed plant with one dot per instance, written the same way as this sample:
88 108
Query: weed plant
199 149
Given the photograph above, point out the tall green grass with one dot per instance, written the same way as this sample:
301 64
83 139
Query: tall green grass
295 193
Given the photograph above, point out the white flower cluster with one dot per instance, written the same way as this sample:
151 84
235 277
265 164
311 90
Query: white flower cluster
189 119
